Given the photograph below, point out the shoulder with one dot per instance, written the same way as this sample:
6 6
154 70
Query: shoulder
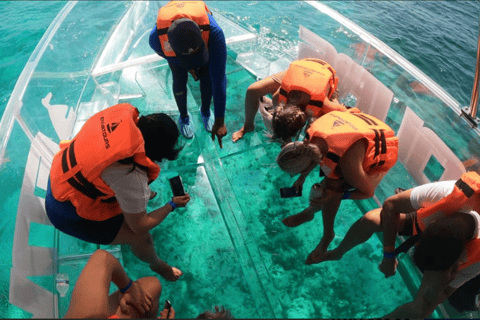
429 193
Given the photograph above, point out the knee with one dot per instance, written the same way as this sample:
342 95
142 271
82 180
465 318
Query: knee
372 219
152 285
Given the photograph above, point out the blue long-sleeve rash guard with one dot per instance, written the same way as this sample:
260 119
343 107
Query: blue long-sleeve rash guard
217 50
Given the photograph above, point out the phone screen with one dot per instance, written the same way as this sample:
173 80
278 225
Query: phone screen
290 192
177 186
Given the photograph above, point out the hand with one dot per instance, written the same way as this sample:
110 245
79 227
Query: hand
137 298
388 267
299 183
220 130
164 312
181 201
240 133
327 195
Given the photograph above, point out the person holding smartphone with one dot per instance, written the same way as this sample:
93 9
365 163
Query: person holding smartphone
354 151
133 299
98 188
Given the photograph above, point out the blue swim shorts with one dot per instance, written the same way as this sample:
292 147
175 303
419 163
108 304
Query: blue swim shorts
64 217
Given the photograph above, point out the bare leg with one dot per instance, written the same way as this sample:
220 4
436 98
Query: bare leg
358 233
302 217
328 213
142 248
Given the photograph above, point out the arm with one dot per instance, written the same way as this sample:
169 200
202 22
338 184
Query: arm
90 296
142 222
390 220
254 92
217 49
352 170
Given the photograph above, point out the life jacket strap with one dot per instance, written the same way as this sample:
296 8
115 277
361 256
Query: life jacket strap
467 190
80 183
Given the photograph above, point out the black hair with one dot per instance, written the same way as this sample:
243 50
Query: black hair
287 121
220 313
440 244
161 136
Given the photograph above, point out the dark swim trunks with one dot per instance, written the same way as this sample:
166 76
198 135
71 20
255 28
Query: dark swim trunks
64 217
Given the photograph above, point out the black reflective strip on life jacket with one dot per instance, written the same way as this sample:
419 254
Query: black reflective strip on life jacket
332 156
316 103
467 190
82 185
366 119
283 92
380 142
203 27
378 164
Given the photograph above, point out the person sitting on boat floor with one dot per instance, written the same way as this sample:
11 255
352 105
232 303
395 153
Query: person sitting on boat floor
220 313
189 38
354 150
98 188
308 88
134 299
408 212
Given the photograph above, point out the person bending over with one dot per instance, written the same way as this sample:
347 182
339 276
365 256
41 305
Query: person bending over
134 299
98 187
354 150
448 254
307 89
187 35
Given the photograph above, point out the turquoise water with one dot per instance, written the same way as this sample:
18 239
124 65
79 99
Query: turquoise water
439 37
206 257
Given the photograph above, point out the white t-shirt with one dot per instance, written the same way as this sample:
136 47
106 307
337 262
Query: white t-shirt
131 187
429 194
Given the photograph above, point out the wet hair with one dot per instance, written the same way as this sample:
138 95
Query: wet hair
220 313
161 136
440 245
287 121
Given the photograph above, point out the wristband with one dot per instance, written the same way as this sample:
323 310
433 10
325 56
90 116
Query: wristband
346 195
127 287
388 255
173 204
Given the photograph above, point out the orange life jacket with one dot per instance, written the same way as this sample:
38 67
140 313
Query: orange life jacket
196 11
314 78
466 197
107 137
342 129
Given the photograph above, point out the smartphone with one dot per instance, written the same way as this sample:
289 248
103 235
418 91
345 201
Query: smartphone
177 186
168 306
290 192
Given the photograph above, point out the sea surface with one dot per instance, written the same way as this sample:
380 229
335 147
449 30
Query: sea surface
439 37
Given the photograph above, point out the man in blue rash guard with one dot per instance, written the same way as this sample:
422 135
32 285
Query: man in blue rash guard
181 41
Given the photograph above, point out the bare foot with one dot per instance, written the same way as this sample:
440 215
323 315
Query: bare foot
240 133
332 255
317 255
167 272
298 219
